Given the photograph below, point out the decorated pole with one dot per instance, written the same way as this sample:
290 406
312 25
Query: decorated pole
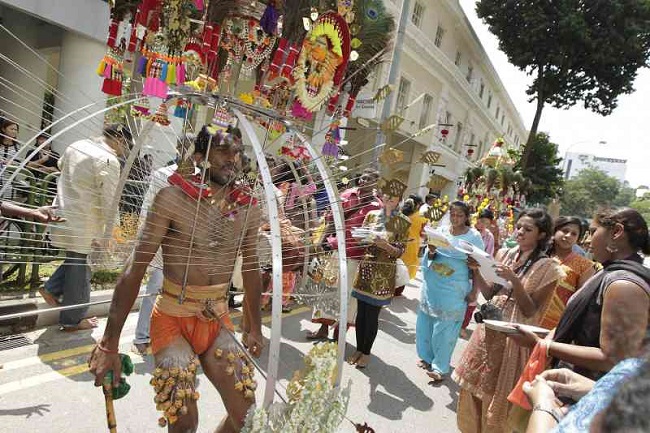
107 388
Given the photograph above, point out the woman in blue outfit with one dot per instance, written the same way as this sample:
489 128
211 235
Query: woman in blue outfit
445 293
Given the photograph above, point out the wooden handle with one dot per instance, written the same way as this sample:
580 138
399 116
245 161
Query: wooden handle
110 409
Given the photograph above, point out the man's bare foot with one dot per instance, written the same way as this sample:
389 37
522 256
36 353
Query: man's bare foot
424 365
142 349
49 298
88 323
354 358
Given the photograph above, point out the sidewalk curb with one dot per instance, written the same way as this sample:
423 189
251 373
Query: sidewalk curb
52 318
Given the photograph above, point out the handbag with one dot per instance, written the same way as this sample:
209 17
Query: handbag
402 276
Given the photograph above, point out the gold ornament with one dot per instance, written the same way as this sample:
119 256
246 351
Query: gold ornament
391 188
430 157
391 156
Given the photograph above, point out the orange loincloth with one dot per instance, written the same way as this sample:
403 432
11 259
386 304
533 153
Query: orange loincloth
171 320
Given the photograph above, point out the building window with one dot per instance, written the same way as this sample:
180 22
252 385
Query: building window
418 13
481 90
426 110
489 103
403 93
447 117
509 129
458 58
516 140
459 135
503 119
440 33
470 73
496 116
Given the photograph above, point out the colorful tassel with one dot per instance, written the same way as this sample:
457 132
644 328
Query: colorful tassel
278 58
142 66
349 106
269 20
290 62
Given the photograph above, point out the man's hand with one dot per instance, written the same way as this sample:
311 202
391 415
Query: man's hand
255 343
101 363
45 214
566 383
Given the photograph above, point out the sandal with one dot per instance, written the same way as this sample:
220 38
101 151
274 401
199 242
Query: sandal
363 361
84 325
436 376
423 365
354 358
49 298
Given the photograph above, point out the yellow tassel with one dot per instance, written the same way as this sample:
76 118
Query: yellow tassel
171 73
101 67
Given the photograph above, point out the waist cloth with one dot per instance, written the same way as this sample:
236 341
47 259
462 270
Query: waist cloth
198 319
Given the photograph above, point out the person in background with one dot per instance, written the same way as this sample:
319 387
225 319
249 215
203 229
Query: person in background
9 150
446 291
578 269
491 364
483 224
44 214
90 172
410 256
374 283
357 203
428 202
45 160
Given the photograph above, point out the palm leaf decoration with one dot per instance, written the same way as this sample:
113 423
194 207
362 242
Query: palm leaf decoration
491 177
375 29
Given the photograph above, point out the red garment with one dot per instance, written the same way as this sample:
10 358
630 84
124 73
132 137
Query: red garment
535 365
355 214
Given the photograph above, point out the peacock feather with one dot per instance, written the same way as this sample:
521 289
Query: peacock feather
374 29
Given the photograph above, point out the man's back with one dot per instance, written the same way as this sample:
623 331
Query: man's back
86 188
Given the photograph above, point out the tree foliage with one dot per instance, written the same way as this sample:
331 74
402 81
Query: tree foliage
643 206
542 171
576 50
590 190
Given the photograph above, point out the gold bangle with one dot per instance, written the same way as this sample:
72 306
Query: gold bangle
548 343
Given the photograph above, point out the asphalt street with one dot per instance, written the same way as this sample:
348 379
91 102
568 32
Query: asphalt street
45 384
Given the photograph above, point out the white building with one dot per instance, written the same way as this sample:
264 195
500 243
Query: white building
574 163
446 69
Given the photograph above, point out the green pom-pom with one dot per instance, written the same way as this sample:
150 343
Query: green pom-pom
127 369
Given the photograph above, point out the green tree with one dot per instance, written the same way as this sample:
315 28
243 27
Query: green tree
588 191
542 171
626 195
643 206
576 50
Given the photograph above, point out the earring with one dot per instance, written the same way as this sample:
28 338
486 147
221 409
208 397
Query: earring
611 249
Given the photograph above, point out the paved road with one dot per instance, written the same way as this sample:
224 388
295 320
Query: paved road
45 386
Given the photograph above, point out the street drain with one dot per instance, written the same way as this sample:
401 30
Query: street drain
14 341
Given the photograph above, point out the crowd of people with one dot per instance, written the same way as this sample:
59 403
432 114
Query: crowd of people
586 284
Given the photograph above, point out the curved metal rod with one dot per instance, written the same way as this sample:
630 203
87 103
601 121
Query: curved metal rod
339 224
276 254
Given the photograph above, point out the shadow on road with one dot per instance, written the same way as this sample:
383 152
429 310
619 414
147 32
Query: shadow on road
402 304
452 387
396 327
53 340
39 409
404 394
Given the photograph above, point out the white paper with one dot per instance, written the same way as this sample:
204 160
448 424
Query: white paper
486 262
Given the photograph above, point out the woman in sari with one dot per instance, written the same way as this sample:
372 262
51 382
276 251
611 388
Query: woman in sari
578 269
492 364
445 293
410 256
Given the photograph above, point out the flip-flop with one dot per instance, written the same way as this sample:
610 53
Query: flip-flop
352 360
423 365
80 327
49 298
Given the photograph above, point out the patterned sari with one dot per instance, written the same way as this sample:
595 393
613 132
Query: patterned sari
491 365
574 266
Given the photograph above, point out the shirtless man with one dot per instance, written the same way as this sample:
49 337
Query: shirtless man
199 250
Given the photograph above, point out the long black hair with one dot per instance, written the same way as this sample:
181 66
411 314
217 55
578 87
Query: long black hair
562 222
544 224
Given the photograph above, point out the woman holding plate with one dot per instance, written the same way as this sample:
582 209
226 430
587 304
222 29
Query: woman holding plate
445 293
492 364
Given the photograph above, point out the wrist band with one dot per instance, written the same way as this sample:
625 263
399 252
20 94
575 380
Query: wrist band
105 350
548 343
555 413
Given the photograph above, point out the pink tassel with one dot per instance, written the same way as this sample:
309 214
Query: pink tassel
108 70
180 74
199 5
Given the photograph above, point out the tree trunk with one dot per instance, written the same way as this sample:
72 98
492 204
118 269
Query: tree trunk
538 116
